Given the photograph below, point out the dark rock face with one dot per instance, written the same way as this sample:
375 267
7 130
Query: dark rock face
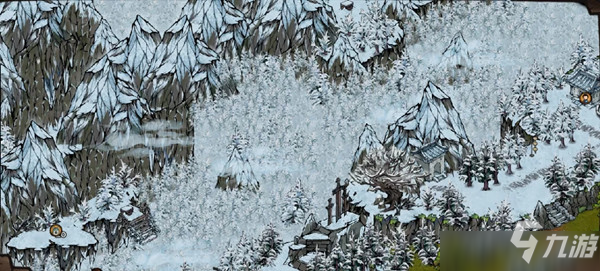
555 214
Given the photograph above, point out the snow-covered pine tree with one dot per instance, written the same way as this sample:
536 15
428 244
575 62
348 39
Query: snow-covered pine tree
269 246
400 255
587 166
344 55
425 244
336 259
228 260
468 169
563 190
247 256
185 267
452 208
376 31
509 147
372 246
298 205
520 150
532 122
555 174
583 53
547 127
318 262
501 219
486 167
573 121
428 198
355 255
562 128
499 161
237 172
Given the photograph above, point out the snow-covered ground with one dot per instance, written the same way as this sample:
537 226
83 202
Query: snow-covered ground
292 137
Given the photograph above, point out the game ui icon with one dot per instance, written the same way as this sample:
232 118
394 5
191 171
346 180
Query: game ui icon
585 98
57 231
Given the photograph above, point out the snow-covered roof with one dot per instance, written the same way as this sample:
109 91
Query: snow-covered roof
297 247
35 239
315 236
430 152
343 222
584 80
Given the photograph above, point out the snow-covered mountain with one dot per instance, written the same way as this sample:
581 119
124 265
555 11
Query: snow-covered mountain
103 36
42 163
11 84
30 19
367 142
456 55
182 63
219 24
291 24
141 45
433 119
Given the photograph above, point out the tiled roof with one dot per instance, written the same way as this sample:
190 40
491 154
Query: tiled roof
431 151
584 80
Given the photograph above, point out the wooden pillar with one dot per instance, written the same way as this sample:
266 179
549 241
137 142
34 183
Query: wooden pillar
338 199
345 204
329 207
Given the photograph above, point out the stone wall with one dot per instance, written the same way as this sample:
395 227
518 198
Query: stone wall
556 213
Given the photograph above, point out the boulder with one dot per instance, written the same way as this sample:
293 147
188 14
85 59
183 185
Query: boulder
541 215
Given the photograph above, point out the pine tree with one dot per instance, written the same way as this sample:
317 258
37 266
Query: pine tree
372 246
298 205
582 54
337 259
428 198
400 256
468 169
501 219
547 128
555 173
247 255
318 262
499 161
269 246
563 190
562 127
573 122
587 166
452 208
228 260
486 166
185 267
355 255
425 244
509 150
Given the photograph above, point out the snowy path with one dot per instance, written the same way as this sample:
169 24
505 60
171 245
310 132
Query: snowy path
527 180
591 130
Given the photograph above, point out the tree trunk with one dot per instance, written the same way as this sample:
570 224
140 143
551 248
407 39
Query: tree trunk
486 185
572 138
519 164
509 169
496 182
548 141
562 143
469 181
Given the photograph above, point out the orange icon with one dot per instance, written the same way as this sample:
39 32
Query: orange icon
56 230
585 98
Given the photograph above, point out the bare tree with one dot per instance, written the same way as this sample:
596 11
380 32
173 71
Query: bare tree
392 172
